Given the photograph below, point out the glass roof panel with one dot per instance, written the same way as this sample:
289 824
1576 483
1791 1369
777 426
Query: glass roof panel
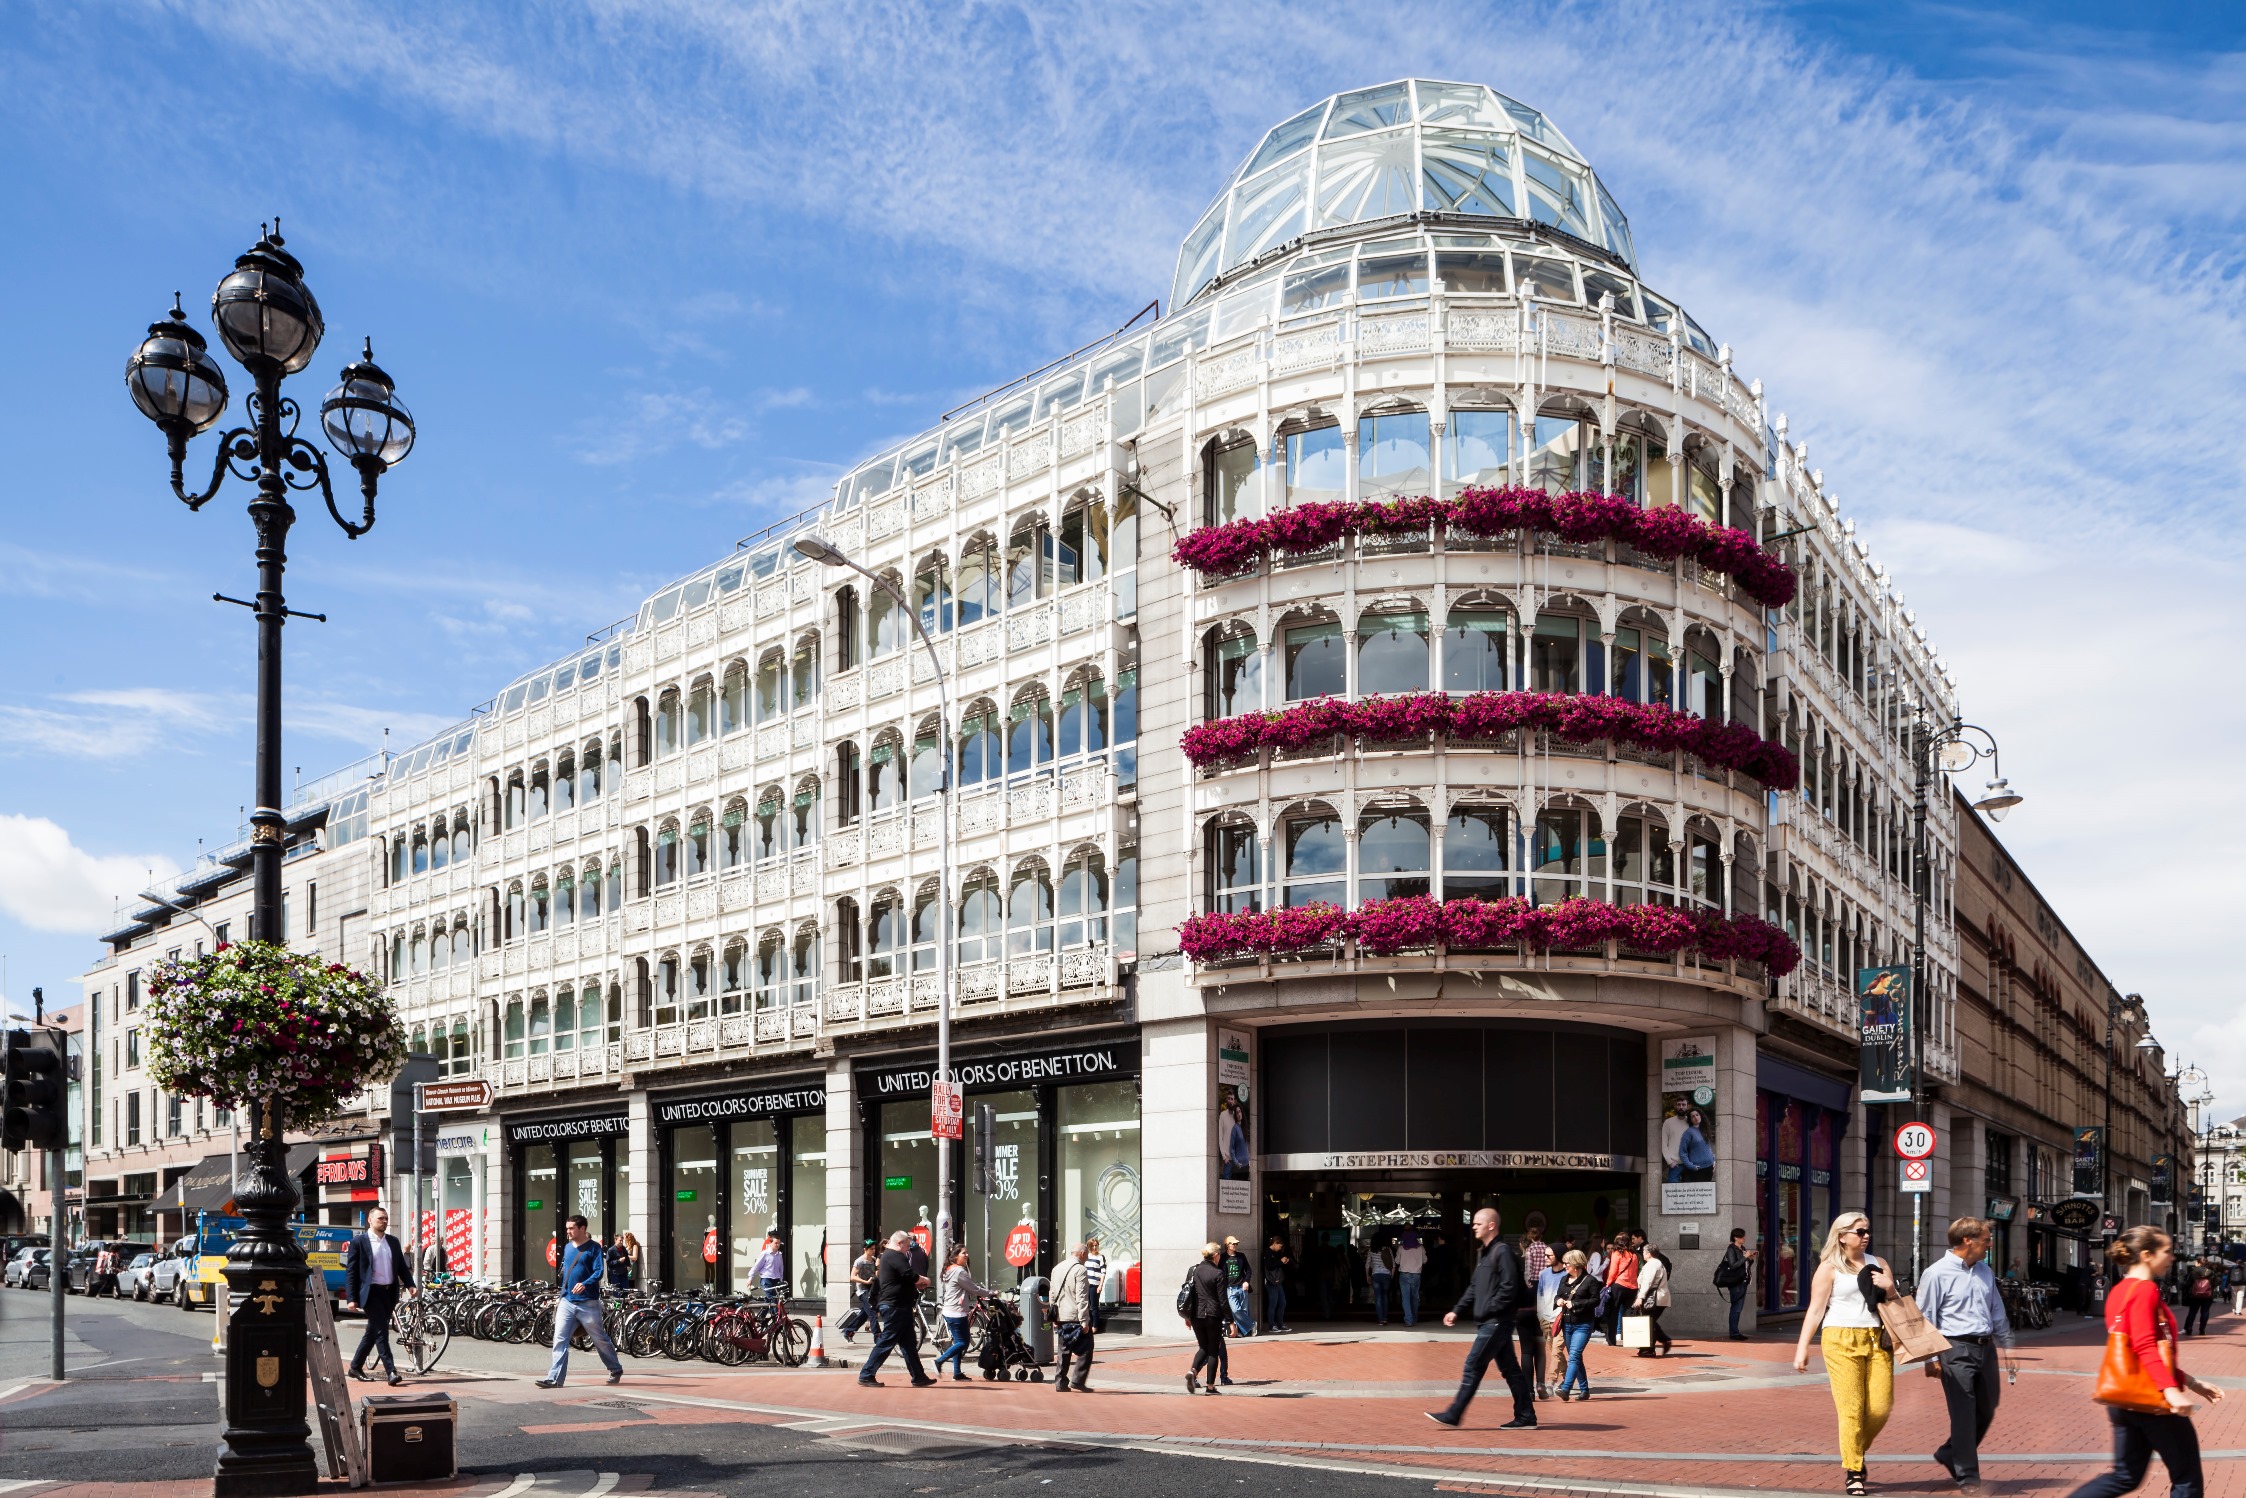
1266 212
1559 194
1464 172
1370 109
1366 178
1197 260
1468 105
1617 227
1286 139
1534 125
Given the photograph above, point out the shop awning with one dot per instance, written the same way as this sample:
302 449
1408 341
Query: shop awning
209 1186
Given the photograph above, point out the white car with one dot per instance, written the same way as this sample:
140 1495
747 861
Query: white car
133 1278
13 1275
176 1267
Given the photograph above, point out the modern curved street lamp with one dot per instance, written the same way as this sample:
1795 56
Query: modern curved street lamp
271 323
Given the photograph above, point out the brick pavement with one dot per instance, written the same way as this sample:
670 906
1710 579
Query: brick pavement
1719 1417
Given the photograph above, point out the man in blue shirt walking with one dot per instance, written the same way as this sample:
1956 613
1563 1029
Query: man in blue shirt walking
1959 1296
580 1306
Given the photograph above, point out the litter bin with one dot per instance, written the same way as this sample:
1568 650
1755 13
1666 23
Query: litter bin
1033 1320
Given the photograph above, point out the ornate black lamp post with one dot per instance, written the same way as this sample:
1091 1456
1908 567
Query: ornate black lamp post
269 322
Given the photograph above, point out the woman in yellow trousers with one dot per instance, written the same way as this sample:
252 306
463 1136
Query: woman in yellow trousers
1861 1371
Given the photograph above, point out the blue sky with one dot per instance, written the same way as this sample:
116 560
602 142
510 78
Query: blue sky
651 274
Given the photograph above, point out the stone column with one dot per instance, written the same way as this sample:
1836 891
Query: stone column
1177 1163
640 1199
846 1224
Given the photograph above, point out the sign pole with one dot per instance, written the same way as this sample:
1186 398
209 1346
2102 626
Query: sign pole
58 1259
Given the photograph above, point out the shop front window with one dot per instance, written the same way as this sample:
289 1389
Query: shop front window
585 1179
807 1206
693 1205
1099 1182
541 1192
1013 1198
908 1172
754 1180
1793 1244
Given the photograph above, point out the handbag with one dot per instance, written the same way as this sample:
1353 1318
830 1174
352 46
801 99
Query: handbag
1914 1336
2122 1380
1637 1331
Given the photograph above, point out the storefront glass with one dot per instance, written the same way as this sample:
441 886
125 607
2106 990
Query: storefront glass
754 1179
585 1179
541 1189
1014 1197
1099 1181
908 1169
693 1205
1790 1244
807 1206
457 1203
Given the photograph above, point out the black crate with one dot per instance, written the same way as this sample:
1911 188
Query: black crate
410 1437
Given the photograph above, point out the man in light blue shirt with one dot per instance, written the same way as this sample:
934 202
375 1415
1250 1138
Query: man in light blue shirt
1958 1295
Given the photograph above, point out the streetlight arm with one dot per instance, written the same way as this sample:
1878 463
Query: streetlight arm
238 445
310 471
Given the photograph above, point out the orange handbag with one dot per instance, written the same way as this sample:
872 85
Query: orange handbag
2122 1380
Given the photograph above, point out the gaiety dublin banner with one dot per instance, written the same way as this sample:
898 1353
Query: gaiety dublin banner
1883 1016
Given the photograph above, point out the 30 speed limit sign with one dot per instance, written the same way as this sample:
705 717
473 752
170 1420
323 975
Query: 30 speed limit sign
1914 1141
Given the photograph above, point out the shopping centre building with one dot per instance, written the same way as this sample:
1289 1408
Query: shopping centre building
1345 830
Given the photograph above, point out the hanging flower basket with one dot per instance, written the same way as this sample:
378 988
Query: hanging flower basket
256 1022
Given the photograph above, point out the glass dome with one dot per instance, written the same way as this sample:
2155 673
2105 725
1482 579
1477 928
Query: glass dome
1416 146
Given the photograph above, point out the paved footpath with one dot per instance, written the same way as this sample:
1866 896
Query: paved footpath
1715 1418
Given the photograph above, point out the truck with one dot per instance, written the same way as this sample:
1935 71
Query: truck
323 1247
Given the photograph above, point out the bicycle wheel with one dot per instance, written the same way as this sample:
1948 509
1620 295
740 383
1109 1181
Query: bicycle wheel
432 1335
682 1338
636 1336
790 1342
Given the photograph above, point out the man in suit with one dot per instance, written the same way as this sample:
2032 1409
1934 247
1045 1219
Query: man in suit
375 1269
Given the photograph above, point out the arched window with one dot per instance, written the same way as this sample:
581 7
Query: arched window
418 958
1315 857
1029 562
884 773
701 712
1476 651
1029 732
733 975
982 919
885 935
440 848
1555 461
927 924
565 1020
517 806
463 839
565 783
1564 653
668 734
1391 653
515 912
1029 910
1316 666
845 628
461 1059
667 985
1232 481
805 831
980 592
541 1025
698 991
733 699
514 1042
1393 849
926 774
1704 682
666 854
1084 899
771 969
565 898
1477 854
768 687
418 1041
589 893
804 969
931 595
769 837
401 858
698 844
588 773
1235 865
849 940
982 753
885 625
541 907
1478 447
420 851
1082 557
806 671
1392 455
1642 669
399 961
733 835
1317 467
540 802
463 943
1232 671
440 949
1567 855
1084 728
848 783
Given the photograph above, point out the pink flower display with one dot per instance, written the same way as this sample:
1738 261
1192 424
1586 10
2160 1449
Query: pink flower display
1484 717
1580 517
1383 928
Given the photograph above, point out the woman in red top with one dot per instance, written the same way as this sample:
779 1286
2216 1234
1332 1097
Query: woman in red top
2134 1307
1622 1282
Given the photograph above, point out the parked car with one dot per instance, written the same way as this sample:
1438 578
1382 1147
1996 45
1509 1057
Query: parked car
35 1276
78 1269
19 1265
181 1264
13 1243
133 1279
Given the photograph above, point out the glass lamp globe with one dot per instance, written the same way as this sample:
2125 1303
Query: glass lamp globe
363 417
265 313
173 378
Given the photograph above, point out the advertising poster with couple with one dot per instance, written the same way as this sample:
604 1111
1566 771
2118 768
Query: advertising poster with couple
1688 1126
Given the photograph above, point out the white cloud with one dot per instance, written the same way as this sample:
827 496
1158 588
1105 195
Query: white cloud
116 723
50 883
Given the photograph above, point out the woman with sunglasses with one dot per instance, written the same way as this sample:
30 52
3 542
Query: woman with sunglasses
1849 1285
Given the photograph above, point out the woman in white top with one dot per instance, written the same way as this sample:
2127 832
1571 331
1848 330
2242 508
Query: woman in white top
1860 1370
956 1298
1653 1296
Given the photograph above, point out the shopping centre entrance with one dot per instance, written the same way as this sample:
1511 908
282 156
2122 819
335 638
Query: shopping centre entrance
1333 1221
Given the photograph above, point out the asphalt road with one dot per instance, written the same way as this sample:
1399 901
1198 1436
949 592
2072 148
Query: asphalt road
141 1404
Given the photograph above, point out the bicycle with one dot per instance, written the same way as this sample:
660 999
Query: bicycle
421 1332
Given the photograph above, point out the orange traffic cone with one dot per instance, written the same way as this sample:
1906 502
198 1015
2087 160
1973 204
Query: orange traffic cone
818 1358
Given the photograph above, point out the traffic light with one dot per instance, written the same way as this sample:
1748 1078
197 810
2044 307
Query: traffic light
31 1091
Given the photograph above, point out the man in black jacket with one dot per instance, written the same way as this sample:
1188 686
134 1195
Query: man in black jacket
897 1299
1734 1275
1493 1298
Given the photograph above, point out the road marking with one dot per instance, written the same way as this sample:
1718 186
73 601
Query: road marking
606 1483
14 1485
523 1483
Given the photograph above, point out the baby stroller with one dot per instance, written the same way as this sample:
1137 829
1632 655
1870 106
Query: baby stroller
1004 1352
